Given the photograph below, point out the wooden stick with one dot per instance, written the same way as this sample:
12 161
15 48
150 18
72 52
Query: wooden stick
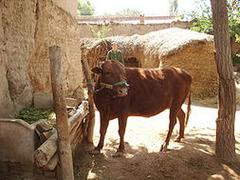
45 152
80 113
77 138
52 163
64 148
75 130
91 116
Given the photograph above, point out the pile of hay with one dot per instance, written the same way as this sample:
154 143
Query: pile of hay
192 51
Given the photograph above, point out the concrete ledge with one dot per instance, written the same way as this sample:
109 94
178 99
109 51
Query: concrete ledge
17 139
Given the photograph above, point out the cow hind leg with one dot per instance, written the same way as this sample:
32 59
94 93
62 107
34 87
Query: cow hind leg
173 119
181 119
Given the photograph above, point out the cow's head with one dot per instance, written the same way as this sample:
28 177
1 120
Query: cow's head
112 76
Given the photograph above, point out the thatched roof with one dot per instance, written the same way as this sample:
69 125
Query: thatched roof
153 45
169 41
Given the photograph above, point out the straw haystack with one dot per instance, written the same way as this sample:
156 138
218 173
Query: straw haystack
182 48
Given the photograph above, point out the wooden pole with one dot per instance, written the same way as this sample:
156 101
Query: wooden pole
225 140
64 148
91 116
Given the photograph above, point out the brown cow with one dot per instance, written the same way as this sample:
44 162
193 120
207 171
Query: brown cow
121 92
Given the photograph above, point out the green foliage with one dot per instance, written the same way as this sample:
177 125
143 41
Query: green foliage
236 59
128 12
32 114
85 8
234 24
202 24
202 20
104 29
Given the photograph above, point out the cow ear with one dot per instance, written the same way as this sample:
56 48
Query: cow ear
97 70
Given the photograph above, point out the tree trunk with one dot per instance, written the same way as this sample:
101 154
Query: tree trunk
225 140
64 148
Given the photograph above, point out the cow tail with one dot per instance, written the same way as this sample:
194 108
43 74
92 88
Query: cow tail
188 108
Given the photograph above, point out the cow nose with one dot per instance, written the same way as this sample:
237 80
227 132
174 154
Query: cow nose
122 91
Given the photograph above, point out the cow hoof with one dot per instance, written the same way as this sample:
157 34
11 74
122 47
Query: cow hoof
118 154
163 147
89 147
95 152
178 140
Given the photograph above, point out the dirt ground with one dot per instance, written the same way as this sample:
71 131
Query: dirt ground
192 159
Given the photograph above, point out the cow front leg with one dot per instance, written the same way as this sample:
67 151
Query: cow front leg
103 129
122 122
173 115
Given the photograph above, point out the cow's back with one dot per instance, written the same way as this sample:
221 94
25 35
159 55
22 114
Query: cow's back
153 90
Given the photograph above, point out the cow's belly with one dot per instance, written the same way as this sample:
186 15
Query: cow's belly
147 112
149 106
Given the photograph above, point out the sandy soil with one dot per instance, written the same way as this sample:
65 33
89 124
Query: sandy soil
192 159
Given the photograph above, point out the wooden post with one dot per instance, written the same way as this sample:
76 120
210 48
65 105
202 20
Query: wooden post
64 148
225 139
91 116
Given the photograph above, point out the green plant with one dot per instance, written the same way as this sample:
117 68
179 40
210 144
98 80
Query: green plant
102 33
85 8
234 24
202 19
236 59
33 114
202 24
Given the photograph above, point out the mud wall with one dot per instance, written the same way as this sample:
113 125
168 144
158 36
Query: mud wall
69 6
27 29
128 29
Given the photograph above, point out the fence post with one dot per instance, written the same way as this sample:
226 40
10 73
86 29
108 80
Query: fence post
64 148
91 116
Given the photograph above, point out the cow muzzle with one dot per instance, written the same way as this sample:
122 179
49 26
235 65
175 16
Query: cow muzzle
120 88
121 91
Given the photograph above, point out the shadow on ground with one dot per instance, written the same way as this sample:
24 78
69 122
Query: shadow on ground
192 159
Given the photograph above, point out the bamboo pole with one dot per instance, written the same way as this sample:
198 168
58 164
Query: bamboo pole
91 116
64 148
